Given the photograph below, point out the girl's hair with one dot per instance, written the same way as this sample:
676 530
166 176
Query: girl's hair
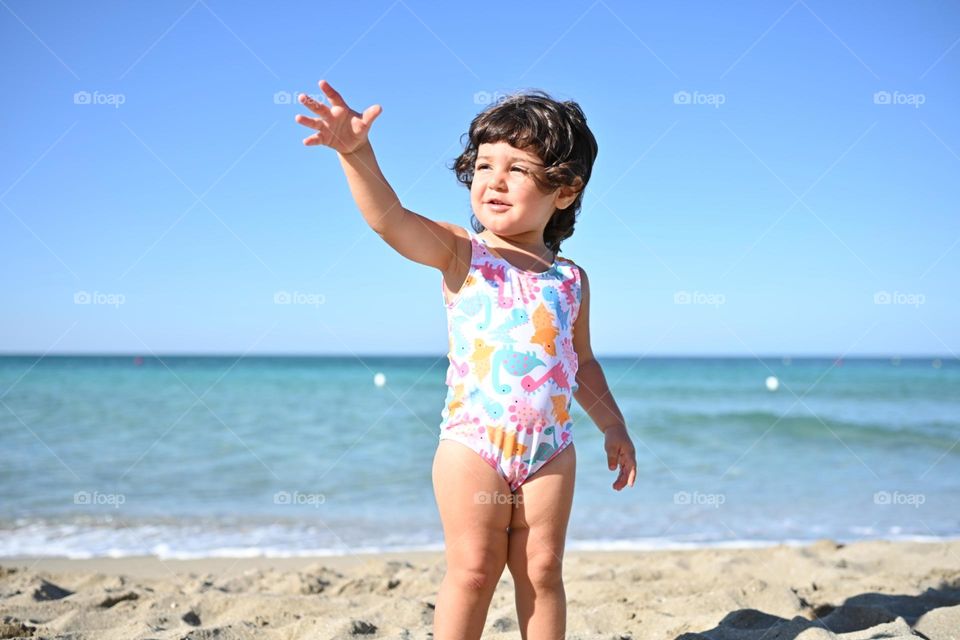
556 131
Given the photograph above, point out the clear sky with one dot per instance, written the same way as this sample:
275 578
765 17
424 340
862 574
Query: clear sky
781 162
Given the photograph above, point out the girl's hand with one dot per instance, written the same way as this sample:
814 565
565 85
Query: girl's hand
620 451
338 127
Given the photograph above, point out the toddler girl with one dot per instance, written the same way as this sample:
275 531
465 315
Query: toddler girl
518 321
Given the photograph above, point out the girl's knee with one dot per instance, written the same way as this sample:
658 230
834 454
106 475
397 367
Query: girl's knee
476 576
544 569
476 565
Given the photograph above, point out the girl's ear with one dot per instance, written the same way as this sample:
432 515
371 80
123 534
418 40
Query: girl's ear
567 194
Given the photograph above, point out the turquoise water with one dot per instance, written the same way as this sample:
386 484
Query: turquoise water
203 456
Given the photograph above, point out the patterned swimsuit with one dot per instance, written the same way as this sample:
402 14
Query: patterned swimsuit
512 371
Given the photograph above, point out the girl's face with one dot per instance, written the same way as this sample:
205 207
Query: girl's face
504 173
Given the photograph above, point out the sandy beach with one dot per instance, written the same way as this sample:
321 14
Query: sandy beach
861 590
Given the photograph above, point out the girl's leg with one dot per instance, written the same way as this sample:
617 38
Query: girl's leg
475 507
538 529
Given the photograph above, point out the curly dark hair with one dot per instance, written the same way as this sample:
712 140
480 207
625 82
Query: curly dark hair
556 131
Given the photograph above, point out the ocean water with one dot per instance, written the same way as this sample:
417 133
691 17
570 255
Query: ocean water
218 456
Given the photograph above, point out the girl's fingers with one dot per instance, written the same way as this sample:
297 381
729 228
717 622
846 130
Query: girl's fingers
628 469
614 456
625 457
331 94
318 108
619 484
319 137
371 114
313 123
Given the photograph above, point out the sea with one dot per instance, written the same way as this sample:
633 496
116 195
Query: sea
217 456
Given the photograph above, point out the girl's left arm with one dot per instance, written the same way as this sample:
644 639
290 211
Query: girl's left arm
593 394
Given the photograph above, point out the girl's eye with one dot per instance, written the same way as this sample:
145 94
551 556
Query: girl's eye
484 166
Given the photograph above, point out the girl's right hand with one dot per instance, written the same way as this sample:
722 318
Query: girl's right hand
338 127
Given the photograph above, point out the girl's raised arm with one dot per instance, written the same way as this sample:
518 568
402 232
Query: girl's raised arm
413 236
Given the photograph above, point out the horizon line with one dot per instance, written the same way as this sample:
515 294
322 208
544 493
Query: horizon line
227 354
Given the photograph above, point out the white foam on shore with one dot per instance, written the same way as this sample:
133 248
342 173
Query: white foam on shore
71 541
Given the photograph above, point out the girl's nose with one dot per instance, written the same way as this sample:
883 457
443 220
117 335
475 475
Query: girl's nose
497 178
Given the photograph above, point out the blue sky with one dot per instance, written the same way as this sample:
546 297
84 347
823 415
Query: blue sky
746 158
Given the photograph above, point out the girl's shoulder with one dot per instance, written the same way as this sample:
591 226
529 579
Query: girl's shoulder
571 265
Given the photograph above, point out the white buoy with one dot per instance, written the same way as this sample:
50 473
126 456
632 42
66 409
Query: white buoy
772 383
379 379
